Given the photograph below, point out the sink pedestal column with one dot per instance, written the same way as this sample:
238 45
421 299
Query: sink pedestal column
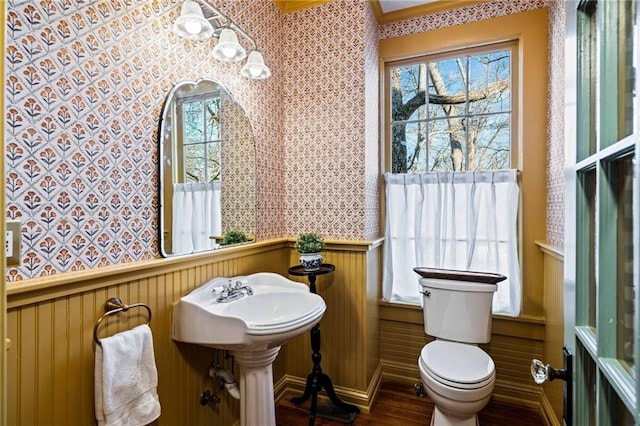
257 406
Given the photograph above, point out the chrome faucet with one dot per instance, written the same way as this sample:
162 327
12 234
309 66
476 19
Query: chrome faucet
231 291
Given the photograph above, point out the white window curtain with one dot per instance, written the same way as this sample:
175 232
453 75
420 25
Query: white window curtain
197 215
452 220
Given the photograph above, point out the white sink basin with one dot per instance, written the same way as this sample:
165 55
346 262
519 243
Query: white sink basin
278 310
252 327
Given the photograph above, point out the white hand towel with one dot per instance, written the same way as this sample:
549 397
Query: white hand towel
126 380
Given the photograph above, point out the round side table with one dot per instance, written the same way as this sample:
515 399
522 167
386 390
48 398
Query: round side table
317 380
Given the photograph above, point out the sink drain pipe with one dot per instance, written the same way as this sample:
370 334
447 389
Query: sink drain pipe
227 378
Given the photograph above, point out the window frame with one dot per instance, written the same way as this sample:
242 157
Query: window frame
603 376
529 28
511 45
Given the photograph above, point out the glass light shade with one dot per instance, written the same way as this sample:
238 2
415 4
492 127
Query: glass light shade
191 23
255 67
228 49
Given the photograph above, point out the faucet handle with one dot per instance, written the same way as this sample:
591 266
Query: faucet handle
226 288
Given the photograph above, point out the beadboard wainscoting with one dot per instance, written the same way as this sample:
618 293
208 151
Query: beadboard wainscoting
51 320
50 323
554 326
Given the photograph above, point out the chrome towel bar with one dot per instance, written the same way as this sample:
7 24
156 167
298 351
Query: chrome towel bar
113 306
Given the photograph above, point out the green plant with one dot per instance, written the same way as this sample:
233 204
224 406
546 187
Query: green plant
233 237
309 242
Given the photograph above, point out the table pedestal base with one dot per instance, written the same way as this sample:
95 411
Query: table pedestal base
317 380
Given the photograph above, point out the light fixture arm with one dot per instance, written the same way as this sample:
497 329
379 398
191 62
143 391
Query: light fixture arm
217 15
192 24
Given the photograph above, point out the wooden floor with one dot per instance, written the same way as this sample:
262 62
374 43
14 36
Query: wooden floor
398 405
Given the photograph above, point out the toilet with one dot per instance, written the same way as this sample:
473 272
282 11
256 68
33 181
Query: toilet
457 375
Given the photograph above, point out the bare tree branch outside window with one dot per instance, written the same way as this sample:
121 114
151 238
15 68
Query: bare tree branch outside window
452 114
202 147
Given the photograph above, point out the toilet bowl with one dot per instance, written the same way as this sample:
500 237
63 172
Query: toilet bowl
458 376
459 379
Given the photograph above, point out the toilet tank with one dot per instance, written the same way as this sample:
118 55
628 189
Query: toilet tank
457 304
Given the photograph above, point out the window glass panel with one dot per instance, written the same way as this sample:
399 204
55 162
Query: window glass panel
591 247
624 267
489 82
408 84
620 415
202 139
194 163
213 162
212 119
627 65
193 122
447 88
410 152
586 144
591 390
489 146
444 148
586 248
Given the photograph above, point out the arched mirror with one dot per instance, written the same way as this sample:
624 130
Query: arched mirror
207 170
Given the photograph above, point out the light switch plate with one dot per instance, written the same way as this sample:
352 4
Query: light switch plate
12 245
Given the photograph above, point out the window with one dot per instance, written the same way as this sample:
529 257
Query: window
452 112
606 259
528 96
201 139
450 201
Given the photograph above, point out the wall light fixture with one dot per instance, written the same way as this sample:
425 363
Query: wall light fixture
192 24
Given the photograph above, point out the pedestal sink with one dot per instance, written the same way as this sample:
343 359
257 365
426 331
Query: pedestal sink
252 327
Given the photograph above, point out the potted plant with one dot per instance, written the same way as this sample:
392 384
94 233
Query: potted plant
310 246
233 237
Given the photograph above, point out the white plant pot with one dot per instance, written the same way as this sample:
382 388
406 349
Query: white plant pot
311 261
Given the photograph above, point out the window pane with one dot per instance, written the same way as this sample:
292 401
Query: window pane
193 122
625 418
490 82
407 92
627 65
625 287
212 119
586 70
409 150
447 88
489 144
446 150
213 161
194 163
586 249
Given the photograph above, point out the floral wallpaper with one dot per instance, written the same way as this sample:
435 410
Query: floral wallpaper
330 126
555 154
85 83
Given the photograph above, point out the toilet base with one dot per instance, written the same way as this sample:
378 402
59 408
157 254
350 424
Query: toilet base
440 419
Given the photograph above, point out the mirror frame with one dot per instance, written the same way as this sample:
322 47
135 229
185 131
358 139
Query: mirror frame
245 205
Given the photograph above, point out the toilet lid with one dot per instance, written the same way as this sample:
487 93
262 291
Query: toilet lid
457 362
